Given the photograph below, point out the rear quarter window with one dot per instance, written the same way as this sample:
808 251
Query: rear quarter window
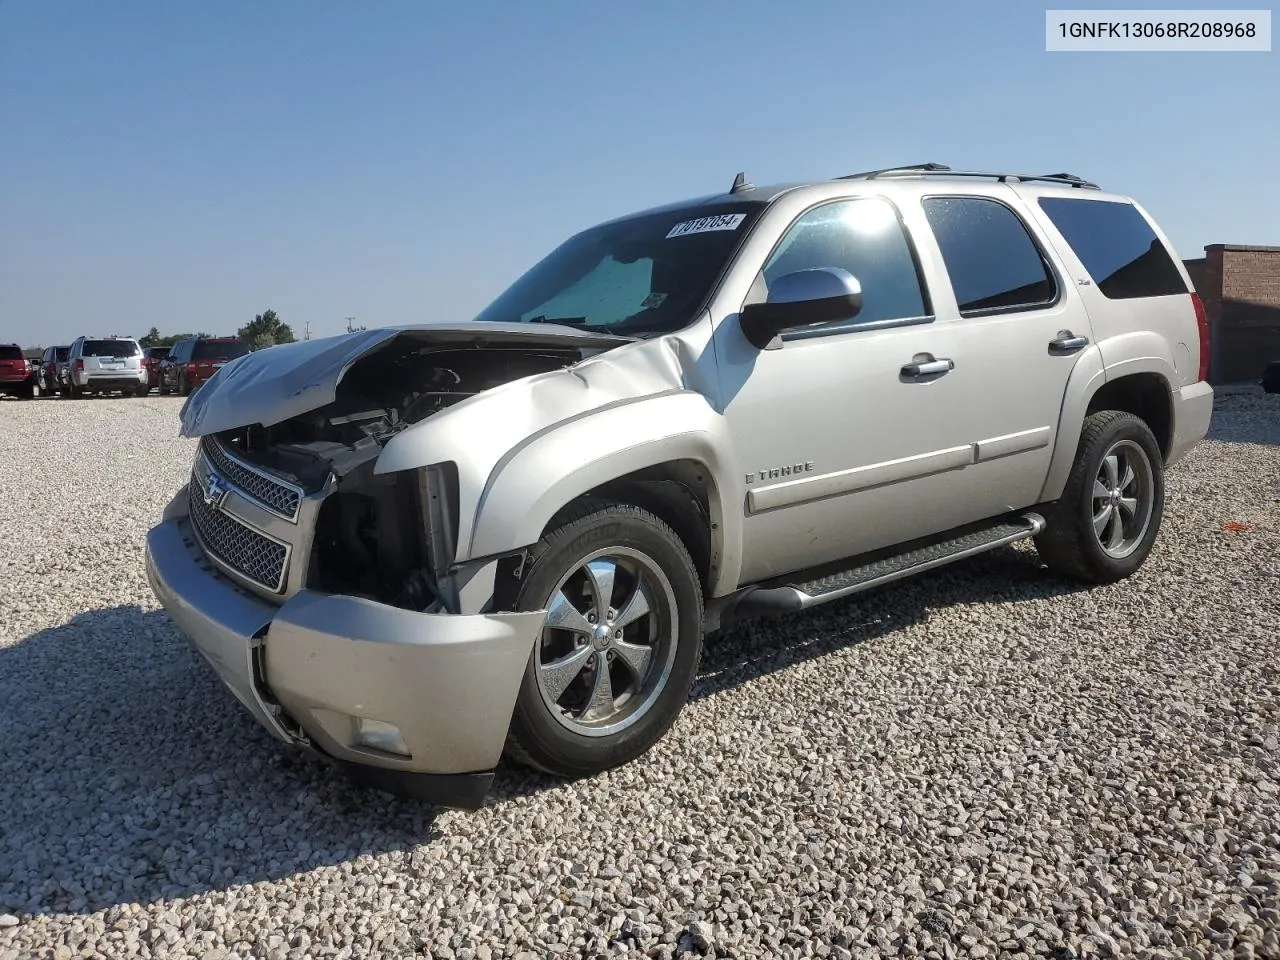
1124 257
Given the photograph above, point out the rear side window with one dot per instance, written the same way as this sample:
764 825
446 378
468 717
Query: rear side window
109 348
1124 257
993 263
865 238
11 353
219 349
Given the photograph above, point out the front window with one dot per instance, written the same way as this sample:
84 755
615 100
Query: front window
640 276
219 349
110 348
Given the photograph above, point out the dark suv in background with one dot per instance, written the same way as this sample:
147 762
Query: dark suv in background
151 359
192 362
17 375
49 374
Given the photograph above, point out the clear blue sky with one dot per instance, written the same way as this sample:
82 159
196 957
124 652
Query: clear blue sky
187 165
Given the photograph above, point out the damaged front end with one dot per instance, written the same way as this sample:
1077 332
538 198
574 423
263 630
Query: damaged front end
324 592
389 537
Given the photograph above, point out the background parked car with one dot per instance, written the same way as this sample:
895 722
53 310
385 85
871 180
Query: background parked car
192 362
101 365
151 358
50 374
17 377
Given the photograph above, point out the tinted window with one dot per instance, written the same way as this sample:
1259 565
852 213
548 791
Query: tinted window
1117 246
157 353
642 275
109 348
865 238
219 349
991 259
11 353
61 353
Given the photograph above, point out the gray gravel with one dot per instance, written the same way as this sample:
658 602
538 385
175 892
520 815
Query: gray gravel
987 762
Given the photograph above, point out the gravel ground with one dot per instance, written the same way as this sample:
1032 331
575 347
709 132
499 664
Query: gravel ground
984 762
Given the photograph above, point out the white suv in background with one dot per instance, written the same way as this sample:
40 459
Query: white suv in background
100 365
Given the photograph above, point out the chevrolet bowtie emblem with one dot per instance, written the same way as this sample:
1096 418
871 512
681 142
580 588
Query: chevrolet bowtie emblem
215 490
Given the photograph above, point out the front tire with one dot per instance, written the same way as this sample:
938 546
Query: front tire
613 666
1103 526
184 387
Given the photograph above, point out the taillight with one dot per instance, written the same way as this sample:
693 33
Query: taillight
79 363
191 367
1202 322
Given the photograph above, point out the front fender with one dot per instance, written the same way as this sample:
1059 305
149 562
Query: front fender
551 468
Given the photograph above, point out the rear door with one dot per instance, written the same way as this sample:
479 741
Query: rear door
1020 328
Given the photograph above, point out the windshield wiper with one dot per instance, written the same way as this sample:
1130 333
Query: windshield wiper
567 321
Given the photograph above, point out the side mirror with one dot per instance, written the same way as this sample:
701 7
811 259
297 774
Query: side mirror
802 299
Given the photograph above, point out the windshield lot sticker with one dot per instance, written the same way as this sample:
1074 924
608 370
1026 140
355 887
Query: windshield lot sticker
653 301
725 221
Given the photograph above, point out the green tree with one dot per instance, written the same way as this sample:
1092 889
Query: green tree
266 329
151 339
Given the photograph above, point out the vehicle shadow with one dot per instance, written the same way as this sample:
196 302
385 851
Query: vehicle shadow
129 775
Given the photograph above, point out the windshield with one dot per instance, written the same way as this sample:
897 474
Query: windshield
643 275
219 349
110 348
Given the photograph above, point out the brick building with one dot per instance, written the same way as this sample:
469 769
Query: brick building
1240 287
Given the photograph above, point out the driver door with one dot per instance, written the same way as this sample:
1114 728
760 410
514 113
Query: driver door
846 444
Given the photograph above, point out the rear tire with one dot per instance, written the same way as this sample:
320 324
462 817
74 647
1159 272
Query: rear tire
1103 526
610 677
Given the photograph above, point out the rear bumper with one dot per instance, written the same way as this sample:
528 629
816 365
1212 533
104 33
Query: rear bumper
308 670
111 381
1192 411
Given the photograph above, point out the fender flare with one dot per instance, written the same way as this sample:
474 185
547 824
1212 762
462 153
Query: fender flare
1103 363
602 445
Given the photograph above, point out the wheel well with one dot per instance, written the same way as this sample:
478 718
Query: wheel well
678 492
1145 395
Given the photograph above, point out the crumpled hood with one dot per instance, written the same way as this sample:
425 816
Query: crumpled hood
272 385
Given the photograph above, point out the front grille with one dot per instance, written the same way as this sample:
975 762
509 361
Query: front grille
273 494
228 540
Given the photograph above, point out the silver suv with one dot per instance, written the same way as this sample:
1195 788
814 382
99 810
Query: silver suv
412 549
102 364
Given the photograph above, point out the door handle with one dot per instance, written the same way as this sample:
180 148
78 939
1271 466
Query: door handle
1067 342
918 369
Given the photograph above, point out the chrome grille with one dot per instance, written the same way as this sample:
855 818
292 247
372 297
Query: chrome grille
229 541
272 494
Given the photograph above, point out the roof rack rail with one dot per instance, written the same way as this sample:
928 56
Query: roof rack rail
910 167
938 169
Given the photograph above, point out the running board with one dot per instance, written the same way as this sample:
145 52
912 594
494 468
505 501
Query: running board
799 594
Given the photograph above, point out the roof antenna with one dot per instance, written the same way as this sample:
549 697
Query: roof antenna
740 184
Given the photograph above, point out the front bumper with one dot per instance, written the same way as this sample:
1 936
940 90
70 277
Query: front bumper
309 669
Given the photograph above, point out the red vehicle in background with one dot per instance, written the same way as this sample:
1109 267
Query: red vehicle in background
151 358
192 362
17 375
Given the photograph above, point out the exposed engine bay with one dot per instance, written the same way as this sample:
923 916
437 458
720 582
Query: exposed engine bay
387 537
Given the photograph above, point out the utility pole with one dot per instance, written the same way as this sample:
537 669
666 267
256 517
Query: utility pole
306 333
350 328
